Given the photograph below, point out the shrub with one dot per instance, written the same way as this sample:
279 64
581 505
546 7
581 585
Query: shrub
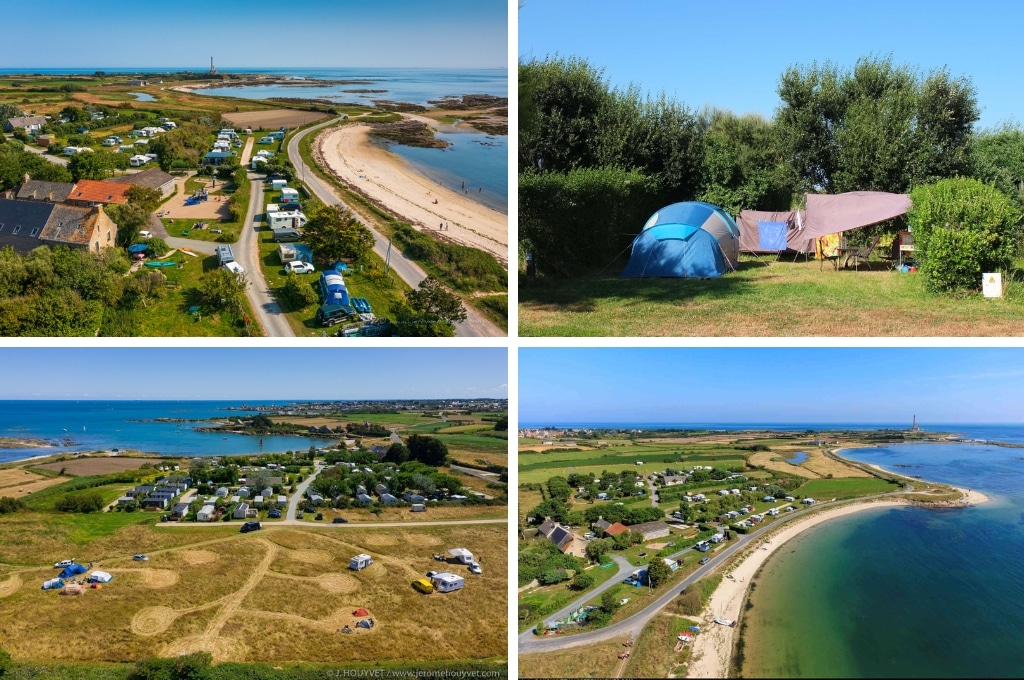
8 504
582 581
689 602
962 228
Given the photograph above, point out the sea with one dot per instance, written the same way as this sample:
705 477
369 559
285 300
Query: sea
903 592
105 425
479 160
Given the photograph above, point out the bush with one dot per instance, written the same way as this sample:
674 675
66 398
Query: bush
689 602
962 228
83 502
8 505
582 581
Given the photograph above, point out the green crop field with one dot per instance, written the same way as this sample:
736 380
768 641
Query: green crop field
843 488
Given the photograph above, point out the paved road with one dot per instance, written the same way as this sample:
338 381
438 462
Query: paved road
473 472
300 492
351 525
475 325
247 254
42 152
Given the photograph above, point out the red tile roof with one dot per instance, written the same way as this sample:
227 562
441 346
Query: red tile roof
616 529
93 191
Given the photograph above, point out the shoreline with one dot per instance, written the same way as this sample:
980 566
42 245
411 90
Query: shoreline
388 180
711 656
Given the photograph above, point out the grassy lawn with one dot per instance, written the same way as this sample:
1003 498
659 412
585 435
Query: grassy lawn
762 299
545 600
598 660
823 489
169 315
228 233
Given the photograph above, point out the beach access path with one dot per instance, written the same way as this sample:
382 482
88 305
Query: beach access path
475 325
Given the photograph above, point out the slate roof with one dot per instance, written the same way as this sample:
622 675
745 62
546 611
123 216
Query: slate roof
547 527
69 224
561 537
25 121
39 190
94 191
153 178
29 216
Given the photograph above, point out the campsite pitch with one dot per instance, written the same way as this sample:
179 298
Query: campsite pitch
766 298
285 595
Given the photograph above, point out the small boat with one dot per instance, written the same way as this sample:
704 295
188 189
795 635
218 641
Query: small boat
160 264
726 622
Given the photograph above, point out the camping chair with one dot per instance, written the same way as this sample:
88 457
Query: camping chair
827 251
859 254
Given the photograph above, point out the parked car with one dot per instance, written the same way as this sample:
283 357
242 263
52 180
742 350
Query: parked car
298 267
274 514
474 568
299 515
319 516
339 520
145 234
423 585
140 558
63 563
250 526
704 560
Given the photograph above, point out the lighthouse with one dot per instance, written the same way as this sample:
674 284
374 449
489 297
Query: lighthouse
212 69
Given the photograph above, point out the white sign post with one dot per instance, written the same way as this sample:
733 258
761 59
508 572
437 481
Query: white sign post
992 285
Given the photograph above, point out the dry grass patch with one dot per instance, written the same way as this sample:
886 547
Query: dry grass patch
271 119
104 465
153 620
311 556
220 648
598 660
302 597
10 586
433 513
338 583
198 556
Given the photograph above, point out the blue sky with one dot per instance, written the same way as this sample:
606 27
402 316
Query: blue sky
776 385
336 33
730 54
252 373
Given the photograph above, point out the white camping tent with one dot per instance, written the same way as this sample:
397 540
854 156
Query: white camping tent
100 577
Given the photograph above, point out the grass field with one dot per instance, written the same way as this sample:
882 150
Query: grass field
97 466
598 660
278 596
653 654
777 299
843 488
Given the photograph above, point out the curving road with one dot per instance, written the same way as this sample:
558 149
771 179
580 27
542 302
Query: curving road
475 325
631 627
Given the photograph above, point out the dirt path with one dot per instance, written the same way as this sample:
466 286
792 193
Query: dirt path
235 601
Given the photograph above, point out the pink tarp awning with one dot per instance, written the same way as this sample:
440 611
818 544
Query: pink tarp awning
825 214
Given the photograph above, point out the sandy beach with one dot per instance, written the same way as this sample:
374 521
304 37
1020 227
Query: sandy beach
712 649
389 181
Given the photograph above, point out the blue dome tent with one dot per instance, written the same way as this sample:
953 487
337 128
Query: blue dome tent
73 570
688 240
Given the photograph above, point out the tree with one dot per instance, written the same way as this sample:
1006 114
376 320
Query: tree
299 291
962 228
396 453
658 572
427 450
144 197
96 165
334 233
220 288
553 576
582 581
608 602
434 311
878 127
130 218
998 159
559 488
598 548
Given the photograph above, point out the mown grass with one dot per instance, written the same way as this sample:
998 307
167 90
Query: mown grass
178 227
546 600
598 660
761 299
824 489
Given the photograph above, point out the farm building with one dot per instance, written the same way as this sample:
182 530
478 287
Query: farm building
360 562
651 530
445 582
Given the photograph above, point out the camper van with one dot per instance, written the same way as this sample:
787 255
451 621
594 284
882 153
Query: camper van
224 255
360 562
266 140
445 582
423 585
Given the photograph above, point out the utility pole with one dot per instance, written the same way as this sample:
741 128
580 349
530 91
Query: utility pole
387 259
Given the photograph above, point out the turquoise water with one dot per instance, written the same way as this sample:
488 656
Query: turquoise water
479 160
797 457
143 97
903 592
102 425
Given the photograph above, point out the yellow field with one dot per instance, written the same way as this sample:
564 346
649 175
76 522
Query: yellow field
15 482
272 118
444 512
281 596
816 466
598 660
